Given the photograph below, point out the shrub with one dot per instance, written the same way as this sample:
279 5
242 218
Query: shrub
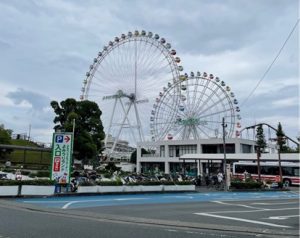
167 183
9 182
9 170
133 184
184 183
107 175
150 183
87 183
38 182
43 173
109 183
246 185
26 182
24 172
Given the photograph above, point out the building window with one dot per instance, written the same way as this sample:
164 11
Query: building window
209 149
162 151
246 148
179 150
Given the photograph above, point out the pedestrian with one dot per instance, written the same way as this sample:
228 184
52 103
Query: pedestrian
220 177
207 179
246 175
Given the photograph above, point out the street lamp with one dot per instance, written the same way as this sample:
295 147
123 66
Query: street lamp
224 150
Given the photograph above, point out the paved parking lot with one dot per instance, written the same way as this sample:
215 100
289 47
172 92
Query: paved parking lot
274 213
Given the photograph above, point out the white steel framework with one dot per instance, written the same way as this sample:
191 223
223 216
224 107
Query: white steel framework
128 72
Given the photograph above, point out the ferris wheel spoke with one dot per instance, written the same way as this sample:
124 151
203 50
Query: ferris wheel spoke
202 103
202 92
211 106
215 113
178 132
203 131
196 136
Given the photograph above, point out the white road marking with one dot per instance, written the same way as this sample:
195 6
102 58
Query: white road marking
239 205
258 210
190 197
46 201
282 217
270 204
127 199
173 230
241 219
100 200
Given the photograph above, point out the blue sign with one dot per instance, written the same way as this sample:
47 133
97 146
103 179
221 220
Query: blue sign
59 138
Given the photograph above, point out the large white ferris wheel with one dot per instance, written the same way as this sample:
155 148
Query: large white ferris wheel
123 80
193 108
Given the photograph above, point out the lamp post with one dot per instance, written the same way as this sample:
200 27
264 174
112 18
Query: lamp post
224 150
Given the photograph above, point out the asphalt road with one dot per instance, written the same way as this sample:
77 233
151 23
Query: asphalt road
166 215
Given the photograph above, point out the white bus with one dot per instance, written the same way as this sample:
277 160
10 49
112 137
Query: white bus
269 171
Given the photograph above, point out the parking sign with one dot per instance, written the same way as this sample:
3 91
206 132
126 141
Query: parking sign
62 149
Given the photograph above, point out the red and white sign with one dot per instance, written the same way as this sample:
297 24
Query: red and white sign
56 164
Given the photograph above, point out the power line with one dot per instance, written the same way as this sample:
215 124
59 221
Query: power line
269 68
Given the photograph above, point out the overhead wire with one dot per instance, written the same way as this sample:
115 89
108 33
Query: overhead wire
270 66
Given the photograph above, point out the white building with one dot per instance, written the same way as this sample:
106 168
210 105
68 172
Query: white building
121 145
121 153
197 156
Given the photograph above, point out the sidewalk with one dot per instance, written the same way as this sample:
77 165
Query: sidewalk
205 189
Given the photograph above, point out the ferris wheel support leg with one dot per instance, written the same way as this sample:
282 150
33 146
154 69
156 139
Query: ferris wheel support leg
132 133
121 127
138 123
110 122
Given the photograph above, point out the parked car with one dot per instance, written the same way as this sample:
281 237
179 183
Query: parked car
3 176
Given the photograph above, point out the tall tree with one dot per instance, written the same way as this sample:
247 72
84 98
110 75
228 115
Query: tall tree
281 140
5 138
88 126
134 155
260 138
261 145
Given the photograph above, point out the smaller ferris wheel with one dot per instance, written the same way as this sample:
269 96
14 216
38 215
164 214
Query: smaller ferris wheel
193 108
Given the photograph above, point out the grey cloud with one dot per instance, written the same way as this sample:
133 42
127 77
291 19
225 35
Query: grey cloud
262 106
214 26
71 61
4 45
38 101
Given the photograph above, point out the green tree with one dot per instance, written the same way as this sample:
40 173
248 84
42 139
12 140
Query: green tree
133 155
260 138
89 132
5 138
281 140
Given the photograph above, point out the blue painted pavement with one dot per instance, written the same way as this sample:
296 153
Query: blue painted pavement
129 199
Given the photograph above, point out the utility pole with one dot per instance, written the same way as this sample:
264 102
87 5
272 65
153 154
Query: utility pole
224 150
73 127
29 132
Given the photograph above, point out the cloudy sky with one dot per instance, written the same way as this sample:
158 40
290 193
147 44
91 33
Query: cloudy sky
47 46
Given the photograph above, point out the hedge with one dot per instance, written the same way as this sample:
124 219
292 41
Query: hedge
26 182
109 183
246 185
